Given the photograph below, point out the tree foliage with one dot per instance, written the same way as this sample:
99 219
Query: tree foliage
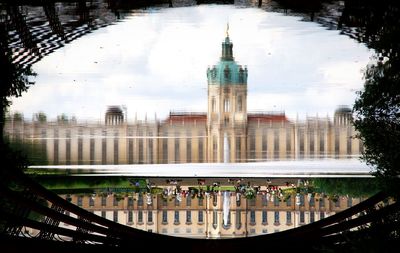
377 107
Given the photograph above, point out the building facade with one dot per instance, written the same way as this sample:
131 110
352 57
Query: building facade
204 217
227 132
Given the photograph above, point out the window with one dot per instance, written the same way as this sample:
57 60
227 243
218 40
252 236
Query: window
188 149
165 148
301 135
349 202
264 217
252 202
264 200
115 216
226 105
150 150
188 216
215 219
103 214
140 199
103 201
80 198
200 201
321 203
252 144
91 201
215 149
238 148
115 201
276 144
201 147
228 222
55 147
141 149
322 215
312 217
302 217
213 105
80 147
164 202
264 145
238 219
201 217
140 216
276 201
188 200
252 217
176 217
149 217
312 201
301 199
312 140
276 218
337 142
176 148
239 104
321 143
130 148
68 148
226 72
288 143
130 216
164 216
130 202
337 203
116 149
289 201
177 202
104 148
288 217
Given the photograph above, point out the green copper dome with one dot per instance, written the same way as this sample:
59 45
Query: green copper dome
227 71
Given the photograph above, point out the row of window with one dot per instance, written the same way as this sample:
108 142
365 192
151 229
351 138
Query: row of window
227 102
252 202
200 217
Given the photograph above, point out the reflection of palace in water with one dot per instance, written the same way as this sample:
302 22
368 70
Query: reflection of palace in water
227 132
204 217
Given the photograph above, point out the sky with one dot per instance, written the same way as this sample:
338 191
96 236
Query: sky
156 62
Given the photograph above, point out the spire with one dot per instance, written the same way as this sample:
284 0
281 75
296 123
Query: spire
227 53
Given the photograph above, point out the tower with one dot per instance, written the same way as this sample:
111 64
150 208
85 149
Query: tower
227 106
114 115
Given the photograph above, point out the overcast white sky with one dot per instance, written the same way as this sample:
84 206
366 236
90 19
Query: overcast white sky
156 62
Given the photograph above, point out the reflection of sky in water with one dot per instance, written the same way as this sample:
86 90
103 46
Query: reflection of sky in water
157 62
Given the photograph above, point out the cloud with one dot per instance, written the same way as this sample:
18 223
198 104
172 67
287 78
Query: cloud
157 61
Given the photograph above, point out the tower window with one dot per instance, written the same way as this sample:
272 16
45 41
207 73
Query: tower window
239 104
213 105
226 72
226 105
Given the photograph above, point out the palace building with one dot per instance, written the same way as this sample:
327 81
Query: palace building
227 132
204 217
